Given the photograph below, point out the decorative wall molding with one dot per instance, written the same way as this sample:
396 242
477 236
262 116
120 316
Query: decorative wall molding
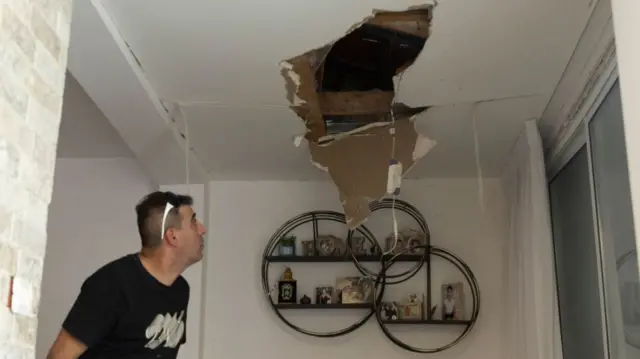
592 58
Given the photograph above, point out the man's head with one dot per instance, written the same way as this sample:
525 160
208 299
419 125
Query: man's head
167 221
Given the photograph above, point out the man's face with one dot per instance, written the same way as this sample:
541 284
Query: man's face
449 293
190 235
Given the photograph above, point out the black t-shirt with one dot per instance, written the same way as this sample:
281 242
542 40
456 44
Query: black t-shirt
124 312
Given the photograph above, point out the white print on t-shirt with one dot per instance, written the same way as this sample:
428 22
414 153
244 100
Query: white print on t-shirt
167 329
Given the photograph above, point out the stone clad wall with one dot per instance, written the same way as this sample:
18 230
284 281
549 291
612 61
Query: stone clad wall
34 38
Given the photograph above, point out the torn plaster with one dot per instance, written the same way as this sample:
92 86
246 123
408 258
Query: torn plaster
423 145
344 92
321 167
358 165
292 81
297 141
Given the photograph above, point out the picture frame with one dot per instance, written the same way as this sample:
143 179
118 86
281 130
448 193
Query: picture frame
330 245
308 249
389 311
412 308
453 301
391 246
408 239
355 290
324 295
411 311
357 246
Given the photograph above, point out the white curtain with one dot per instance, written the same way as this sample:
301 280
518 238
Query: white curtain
531 326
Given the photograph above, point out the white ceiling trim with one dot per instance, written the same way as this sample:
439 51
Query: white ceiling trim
135 110
590 61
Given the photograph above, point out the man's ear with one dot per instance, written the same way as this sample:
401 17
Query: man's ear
170 237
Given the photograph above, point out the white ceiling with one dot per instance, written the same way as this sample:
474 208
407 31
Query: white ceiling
220 61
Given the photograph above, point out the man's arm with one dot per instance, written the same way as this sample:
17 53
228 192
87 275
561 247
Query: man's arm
91 318
66 347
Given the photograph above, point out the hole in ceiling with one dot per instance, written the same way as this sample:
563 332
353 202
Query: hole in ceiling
349 83
367 59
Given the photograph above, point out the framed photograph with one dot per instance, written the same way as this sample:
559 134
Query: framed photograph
411 311
329 245
408 240
367 286
357 246
308 249
389 311
412 308
413 242
324 295
453 301
354 290
391 246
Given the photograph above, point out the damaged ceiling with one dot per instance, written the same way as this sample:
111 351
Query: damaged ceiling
221 62
345 94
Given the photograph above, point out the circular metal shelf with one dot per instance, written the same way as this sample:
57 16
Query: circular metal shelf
381 279
285 229
469 323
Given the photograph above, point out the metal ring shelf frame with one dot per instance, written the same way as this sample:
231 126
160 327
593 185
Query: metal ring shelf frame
634 342
419 218
475 293
381 279
286 228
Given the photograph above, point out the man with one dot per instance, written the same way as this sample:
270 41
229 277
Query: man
136 306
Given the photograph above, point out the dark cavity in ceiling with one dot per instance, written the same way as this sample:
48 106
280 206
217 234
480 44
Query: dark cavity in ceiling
366 59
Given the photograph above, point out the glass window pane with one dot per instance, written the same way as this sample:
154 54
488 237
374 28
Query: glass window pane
615 213
577 258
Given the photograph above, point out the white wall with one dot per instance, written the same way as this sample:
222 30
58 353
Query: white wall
91 222
243 216
85 132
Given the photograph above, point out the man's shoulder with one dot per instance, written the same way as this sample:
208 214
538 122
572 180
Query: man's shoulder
113 271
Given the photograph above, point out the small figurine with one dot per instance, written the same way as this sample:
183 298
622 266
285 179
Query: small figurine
305 300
